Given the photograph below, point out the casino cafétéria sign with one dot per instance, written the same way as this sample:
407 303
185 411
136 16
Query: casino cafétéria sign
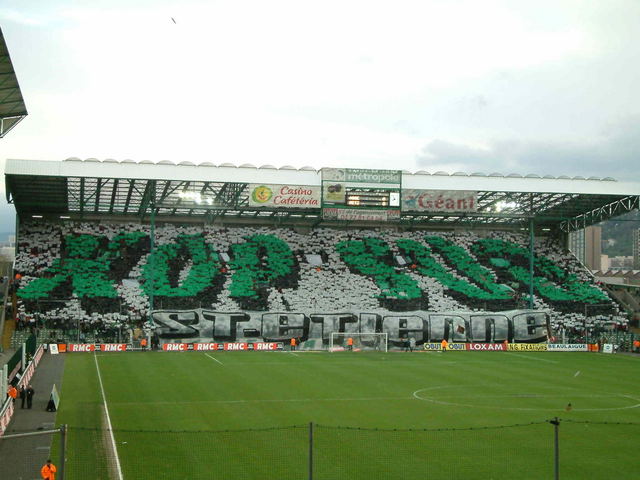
284 196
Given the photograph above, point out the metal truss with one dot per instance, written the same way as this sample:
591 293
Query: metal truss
210 201
601 213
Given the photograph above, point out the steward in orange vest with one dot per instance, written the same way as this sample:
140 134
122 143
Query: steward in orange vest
13 393
444 344
48 471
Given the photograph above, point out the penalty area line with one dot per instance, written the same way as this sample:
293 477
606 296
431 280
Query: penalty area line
106 410
214 358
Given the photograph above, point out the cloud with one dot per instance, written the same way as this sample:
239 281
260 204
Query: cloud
612 154
19 17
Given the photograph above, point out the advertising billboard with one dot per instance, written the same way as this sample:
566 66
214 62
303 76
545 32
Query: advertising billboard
284 196
414 200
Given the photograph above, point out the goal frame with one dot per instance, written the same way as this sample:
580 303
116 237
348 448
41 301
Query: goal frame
383 335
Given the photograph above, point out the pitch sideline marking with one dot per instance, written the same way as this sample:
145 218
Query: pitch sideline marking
417 396
106 409
214 358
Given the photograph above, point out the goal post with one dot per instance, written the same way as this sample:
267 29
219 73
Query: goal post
374 342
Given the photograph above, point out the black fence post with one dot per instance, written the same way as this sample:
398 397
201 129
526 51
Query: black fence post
556 448
310 450
63 445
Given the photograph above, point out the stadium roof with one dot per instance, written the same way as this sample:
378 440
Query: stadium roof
93 189
12 107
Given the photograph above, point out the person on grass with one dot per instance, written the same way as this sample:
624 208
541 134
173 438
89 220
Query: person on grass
444 344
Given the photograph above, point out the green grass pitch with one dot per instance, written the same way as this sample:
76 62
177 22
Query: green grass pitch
246 415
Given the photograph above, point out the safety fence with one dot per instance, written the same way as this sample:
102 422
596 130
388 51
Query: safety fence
547 449
623 340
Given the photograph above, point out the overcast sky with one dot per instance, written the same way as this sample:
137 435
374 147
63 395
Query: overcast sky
547 87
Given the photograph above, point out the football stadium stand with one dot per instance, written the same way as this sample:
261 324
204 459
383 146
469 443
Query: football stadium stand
275 254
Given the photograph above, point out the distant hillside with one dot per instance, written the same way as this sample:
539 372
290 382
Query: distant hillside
617 234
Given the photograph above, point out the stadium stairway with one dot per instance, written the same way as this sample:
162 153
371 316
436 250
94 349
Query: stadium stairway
626 301
23 457
7 334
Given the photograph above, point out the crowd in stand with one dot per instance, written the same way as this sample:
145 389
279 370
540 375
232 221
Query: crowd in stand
300 271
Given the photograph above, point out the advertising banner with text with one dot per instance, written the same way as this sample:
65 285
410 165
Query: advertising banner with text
568 347
439 201
81 347
361 215
113 347
361 175
451 346
528 347
284 196
478 347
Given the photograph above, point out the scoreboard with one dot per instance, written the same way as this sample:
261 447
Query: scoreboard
361 194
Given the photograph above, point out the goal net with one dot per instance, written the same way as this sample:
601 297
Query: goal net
360 342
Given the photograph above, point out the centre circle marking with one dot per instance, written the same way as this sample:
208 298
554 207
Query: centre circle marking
419 395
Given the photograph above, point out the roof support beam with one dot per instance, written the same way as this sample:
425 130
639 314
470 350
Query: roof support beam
98 188
81 195
129 193
114 192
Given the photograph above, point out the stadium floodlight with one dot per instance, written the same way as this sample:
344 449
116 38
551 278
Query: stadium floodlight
361 341
502 205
